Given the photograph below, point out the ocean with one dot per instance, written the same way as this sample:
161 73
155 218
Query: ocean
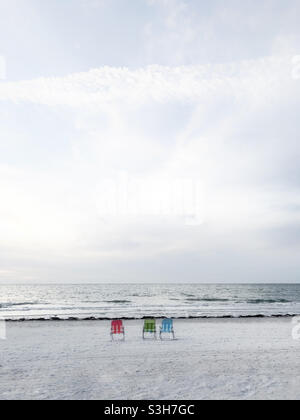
136 301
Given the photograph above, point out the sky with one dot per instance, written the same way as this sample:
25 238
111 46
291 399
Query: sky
149 141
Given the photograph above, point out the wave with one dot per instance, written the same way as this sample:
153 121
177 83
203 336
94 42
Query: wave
134 318
250 301
12 304
106 301
259 301
117 301
207 300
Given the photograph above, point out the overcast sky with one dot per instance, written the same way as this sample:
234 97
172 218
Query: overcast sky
106 102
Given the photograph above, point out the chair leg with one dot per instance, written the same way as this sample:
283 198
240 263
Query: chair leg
161 335
150 332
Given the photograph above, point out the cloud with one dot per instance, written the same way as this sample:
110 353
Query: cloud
195 32
257 79
221 125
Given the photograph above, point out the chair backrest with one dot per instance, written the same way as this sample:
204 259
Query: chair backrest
167 325
117 327
150 325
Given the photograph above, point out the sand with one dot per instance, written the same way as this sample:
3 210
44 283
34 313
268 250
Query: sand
211 359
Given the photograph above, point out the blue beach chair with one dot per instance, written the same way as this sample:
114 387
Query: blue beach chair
167 328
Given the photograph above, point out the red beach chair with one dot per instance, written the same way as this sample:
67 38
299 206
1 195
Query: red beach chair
117 328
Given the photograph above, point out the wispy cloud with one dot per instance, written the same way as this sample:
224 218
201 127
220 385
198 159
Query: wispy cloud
256 78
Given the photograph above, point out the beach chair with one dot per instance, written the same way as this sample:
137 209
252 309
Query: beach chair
166 328
117 328
149 328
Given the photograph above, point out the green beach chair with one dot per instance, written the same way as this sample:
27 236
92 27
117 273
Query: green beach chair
149 328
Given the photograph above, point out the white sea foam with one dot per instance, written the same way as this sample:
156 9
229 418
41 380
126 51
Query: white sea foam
138 301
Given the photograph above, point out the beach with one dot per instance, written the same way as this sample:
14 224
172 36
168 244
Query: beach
210 359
